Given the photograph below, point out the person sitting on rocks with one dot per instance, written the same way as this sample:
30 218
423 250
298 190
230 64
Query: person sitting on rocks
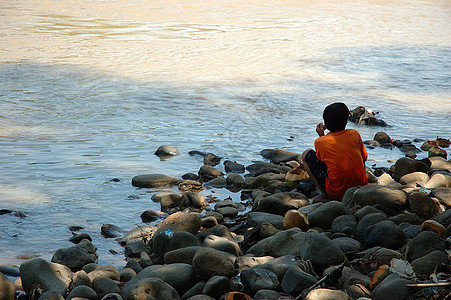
339 160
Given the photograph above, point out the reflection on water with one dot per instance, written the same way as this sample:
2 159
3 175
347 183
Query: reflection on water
89 90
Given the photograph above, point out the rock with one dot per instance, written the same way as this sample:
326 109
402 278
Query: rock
235 180
233 167
83 291
179 276
439 179
384 195
135 248
295 281
267 295
344 224
209 222
77 238
207 173
326 294
144 260
443 218
282 243
256 279
431 225
9 270
440 163
256 218
293 218
280 265
108 271
209 262
48 276
277 156
423 205
424 243
385 234
127 274
350 277
281 203
325 214
366 210
382 138
141 233
412 179
149 216
382 256
189 222
387 180
410 230
426 265
7 289
196 290
321 251
164 242
75 257
211 159
167 200
227 211
406 217
182 255
190 185
393 287
112 296
223 244
246 262
110 231
219 183
49 295
347 245
166 151
104 286
406 165
216 215
443 194
80 278
216 286
153 181
149 288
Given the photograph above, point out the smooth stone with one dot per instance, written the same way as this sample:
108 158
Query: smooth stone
49 295
227 211
424 243
218 182
393 287
414 179
423 205
196 290
223 244
267 295
382 256
135 248
443 218
108 271
209 222
190 176
293 218
216 286
385 234
431 225
350 276
233 167
443 194
285 242
246 262
382 137
127 274
256 218
7 289
79 237
190 185
434 261
9 270
406 217
218 216
194 199
83 291
326 294
296 280
153 181
209 262
277 156
112 296
281 203
166 151
439 179
325 214
366 210
76 256
140 233
47 275
255 167
366 222
144 260
164 242
256 279
347 245
410 230
346 224
280 265
110 230
207 173
182 255
179 276
218 230
386 180
149 288
200 297
235 180
407 165
321 251
377 194
440 163
167 200
104 286
149 216
189 222
211 159
80 278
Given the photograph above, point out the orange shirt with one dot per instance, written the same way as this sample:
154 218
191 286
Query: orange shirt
344 154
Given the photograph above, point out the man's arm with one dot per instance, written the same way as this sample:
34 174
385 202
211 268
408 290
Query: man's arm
320 128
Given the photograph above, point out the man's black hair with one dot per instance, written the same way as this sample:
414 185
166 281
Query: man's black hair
336 116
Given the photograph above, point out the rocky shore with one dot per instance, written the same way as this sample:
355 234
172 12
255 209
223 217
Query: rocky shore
389 239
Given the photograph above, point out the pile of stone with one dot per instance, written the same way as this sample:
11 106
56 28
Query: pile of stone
389 239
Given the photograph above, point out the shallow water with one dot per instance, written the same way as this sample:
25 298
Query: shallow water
89 90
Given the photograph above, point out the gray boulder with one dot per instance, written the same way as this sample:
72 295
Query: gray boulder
164 151
164 242
277 156
296 280
366 222
153 181
256 218
436 260
76 256
207 173
346 224
149 288
223 244
209 262
256 279
385 234
423 205
216 286
189 222
347 245
233 167
406 165
392 287
383 195
267 295
424 243
104 286
83 291
321 251
182 255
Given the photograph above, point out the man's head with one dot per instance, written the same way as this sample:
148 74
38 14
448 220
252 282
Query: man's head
336 116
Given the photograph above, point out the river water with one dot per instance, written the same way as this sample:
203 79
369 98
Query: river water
90 89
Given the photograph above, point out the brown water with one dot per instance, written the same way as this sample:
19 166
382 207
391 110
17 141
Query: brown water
89 90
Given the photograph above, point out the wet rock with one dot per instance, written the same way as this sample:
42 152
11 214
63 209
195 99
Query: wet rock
166 151
104 286
216 286
9 270
110 231
326 294
48 276
350 277
164 242
293 218
218 216
7 289
189 222
223 244
218 230
383 195
382 256
439 179
325 214
296 280
209 222
347 245
382 137
135 248
412 179
219 182
392 287
267 295
233 167
75 257
209 262
144 260
153 181
434 226
77 238
83 291
435 260
262 180
167 200
424 243
179 276
149 288
385 234
227 211
423 205
235 180
277 156
133 264
194 199
207 173
211 159
80 278
280 265
406 165
256 218
255 167
108 271
282 243
190 185
321 251
443 218
139 233
255 279
149 216
190 176
346 224
367 221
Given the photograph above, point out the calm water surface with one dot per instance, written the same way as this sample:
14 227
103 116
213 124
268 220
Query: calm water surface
90 89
